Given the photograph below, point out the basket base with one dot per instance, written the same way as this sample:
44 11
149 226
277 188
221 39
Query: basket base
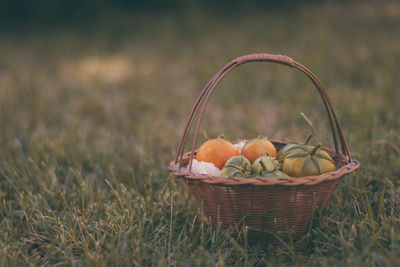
269 214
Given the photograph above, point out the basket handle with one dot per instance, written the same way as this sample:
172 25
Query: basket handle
208 90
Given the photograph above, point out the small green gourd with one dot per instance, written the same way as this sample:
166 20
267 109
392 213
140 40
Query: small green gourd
236 166
263 165
275 174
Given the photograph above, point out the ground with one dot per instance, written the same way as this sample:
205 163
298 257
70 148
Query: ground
90 120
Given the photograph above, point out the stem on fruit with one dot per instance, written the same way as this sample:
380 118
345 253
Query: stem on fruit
315 149
221 136
308 139
309 123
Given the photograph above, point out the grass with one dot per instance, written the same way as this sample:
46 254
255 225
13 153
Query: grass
90 119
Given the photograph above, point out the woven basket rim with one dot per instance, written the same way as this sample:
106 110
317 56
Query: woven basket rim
351 166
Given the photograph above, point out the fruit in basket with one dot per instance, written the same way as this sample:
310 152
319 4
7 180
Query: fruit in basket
275 174
263 165
285 149
306 161
258 147
237 166
216 151
266 167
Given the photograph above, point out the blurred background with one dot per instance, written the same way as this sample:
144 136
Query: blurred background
111 83
79 79
49 13
102 89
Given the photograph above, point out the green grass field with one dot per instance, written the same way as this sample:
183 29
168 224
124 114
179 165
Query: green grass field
90 120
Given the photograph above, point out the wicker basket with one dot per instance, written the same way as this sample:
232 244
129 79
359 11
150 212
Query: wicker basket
271 209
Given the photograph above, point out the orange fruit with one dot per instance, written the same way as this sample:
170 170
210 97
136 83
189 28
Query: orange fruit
216 151
258 147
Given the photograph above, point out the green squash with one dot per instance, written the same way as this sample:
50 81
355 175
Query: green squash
264 165
275 174
236 166
306 161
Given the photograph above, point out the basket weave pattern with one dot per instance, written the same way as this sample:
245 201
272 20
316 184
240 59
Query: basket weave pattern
267 207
